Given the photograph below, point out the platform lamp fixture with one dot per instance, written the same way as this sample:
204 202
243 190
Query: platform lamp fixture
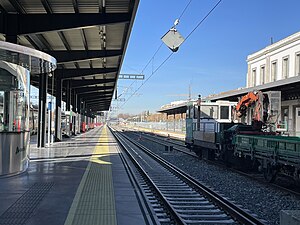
199 112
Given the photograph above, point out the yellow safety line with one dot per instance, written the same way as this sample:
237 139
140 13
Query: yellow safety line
94 200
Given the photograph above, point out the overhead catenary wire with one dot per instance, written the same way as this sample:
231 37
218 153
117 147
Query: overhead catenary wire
204 18
145 67
169 56
155 53
185 9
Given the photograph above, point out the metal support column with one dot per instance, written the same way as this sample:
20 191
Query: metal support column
74 109
77 130
58 134
167 121
79 111
199 112
68 95
83 113
85 116
43 84
50 111
174 117
181 122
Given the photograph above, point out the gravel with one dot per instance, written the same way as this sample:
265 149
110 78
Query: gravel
259 199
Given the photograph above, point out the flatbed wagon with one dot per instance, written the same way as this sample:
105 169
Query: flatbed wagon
274 153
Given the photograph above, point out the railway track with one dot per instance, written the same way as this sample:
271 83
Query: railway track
176 197
177 146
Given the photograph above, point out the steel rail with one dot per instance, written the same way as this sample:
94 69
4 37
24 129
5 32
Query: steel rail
151 138
251 176
170 208
236 212
144 205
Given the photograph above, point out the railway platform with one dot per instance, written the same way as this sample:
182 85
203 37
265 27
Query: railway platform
77 181
166 133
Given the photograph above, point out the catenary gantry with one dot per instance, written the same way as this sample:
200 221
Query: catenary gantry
88 39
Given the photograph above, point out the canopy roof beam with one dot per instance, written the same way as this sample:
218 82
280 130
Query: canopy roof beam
98 102
93 89
40 23
97 99
83 83
81 72
65 56
95 95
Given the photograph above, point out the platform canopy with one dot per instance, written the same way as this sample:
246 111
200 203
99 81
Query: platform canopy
289 88
88 38
174 109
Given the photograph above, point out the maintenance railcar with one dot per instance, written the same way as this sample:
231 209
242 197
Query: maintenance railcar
203 132
214 132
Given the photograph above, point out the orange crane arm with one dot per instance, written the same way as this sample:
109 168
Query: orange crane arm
247 100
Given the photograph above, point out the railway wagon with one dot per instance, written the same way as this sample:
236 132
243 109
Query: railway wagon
215 131
274 154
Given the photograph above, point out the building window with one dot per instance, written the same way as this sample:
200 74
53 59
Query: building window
224 112
285 67
297 64
285 116
274 71
262 74
253 77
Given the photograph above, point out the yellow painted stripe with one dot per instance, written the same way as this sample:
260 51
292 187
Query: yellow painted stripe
94 201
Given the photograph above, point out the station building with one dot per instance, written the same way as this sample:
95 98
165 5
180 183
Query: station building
275 65
277 61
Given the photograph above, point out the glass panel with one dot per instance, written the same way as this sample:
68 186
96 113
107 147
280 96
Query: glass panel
1 110
262 75
14 111
285 114
274 71
224 112
195 112
209 111
254 77
14 98
298 64
28 58
285 68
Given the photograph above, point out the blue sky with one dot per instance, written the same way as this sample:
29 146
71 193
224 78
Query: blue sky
213 59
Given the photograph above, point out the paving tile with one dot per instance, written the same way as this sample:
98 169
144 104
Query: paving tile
106 197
